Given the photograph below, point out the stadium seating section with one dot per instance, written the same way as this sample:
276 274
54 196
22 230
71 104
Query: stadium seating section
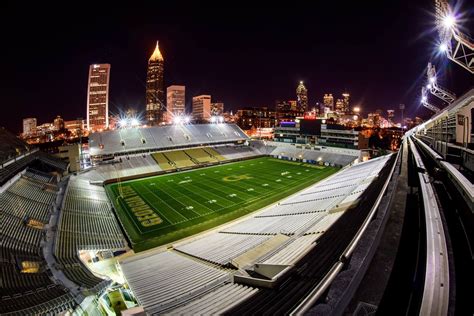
29 197
168 160
26 206
86 222
11 146
162 138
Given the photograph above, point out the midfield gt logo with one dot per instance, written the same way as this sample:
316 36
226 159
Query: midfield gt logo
237 178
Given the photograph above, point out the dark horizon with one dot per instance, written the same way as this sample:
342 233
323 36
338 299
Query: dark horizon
240 56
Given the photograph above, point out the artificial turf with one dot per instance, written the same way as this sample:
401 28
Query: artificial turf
185 203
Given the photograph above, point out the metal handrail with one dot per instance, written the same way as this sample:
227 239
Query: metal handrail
435 299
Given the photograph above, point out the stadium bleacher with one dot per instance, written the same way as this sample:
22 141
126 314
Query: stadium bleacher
166 279
292 152
26 206
86 222
127 166
11 146
217 301
162 137
224 247
236 152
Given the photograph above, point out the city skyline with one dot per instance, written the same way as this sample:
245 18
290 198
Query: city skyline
207 58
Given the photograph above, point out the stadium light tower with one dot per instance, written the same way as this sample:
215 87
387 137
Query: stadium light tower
435 89
457 46
426 103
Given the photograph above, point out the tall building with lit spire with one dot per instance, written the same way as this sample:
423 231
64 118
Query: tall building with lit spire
155 89
301 98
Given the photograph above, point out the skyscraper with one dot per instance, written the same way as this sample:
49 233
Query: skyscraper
58 123
175 102
217 108
202 107
301 97
29 126
98 97
340 105
155 91
345 101
293 105
328 101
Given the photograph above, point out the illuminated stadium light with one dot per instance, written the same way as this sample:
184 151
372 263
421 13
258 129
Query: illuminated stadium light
423 99
221 119
432 79
443 47
187 119
123 123
213 119
134 122
428 86
449 21
177 120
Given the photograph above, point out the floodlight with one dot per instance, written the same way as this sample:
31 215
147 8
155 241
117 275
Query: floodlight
449 21
123 122
135 122
177 120
443 47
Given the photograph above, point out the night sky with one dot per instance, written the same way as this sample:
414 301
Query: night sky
241 54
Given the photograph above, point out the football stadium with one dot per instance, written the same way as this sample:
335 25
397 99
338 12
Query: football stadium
193 219
257 169
202 206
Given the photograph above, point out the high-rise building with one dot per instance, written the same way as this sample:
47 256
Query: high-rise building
390 116
217 108
328 101
74 126
340 105
29 126
293 105
98 97
58 123
175 102
155 89
346 102
202 107
301 97
256 117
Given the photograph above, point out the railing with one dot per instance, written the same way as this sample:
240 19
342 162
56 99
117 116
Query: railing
435 299
8 162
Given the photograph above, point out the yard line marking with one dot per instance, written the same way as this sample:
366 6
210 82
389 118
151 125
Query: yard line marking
154 209
172 208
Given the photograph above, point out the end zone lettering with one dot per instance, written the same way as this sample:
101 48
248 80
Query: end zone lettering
145 215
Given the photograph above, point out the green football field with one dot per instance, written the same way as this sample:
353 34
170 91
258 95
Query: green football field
158 210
